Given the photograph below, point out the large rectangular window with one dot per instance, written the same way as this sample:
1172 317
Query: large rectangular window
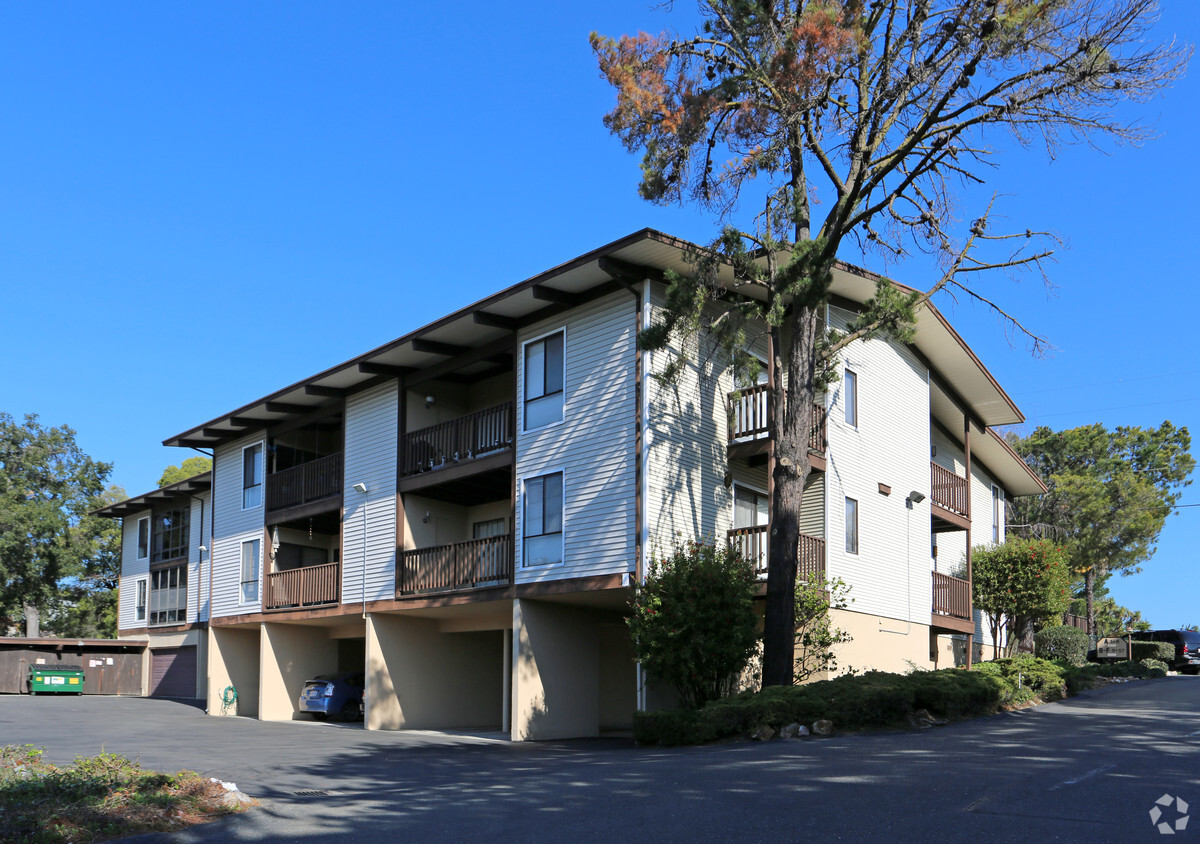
750 507
139 607
170 533
997 513
851 526
851 398
252 476
543 520
143 539
168 595
544 381
250 554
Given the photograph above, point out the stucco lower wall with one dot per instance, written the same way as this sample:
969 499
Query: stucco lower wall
556 672
880 643
421 678
291 654
233 661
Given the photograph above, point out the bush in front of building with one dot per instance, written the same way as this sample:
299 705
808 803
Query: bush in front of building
1164 651
1069 644
693 622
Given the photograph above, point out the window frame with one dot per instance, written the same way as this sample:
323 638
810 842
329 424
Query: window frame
562 520
850 397
997 510
262 468
525 399
141 599
179 607
761 493
143 538
851 525
257 572
158 537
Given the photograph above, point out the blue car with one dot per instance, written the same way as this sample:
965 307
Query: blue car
334 695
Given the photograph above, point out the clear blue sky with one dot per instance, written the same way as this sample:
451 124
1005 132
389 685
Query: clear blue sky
203 202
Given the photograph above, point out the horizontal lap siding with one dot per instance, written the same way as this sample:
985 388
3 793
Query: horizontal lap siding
890 575
132 570
372 417
197 607
594 447
231 527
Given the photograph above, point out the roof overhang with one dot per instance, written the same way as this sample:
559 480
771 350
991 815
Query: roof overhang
146 501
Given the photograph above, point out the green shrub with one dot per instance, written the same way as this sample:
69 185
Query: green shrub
693 621
1069 644
1084 677
1153 650
1024 678
1155 664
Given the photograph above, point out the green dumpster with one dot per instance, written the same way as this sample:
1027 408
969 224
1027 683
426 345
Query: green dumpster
57 679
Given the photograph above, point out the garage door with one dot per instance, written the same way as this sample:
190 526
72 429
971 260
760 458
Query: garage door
173 672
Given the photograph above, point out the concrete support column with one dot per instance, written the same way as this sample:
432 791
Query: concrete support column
233 660
506 692
555 672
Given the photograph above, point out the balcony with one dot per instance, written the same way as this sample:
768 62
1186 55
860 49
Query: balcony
951 510
312 586
951 604
317 482
463 565
749 418
469 437
752 543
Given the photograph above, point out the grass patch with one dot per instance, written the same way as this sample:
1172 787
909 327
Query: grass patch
879 699
97 798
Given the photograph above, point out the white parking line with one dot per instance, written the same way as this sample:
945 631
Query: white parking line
1082 777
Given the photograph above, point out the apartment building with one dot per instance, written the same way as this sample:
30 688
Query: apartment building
462 510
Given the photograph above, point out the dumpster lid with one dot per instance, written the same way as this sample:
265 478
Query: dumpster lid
56 667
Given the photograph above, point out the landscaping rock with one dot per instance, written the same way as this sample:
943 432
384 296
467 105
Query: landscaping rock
236 800
923 720
823 727
793 730
763 733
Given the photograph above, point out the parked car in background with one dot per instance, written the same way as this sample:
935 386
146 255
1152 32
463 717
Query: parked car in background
334 696
1187 647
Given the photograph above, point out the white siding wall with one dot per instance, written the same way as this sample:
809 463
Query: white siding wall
132 570
890 573
594 447
197 608
232 526
372 417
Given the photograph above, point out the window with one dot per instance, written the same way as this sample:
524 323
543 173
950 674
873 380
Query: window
543 520
997 513
143 539
490 528
168 595
750 508
544 381
851 526
139 608
252 475
170 534
851 395
250 552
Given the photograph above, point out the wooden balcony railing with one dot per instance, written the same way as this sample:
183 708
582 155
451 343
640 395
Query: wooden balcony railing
949 490
306 587
951 596
311 481
463 565
750 413
752 543
464 438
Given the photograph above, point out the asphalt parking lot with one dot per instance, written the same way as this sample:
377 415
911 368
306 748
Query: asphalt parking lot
1088 769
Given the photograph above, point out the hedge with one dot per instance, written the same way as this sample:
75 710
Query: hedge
879 699
1066 643
1164 651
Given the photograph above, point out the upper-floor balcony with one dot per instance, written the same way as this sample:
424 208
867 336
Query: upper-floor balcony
460 565
951 604
303 588
950 499
313 486
749 424
465 459
752 543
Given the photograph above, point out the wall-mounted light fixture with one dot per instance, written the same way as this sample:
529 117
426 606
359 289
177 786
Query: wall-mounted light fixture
426 519
428 402
914 497
360 488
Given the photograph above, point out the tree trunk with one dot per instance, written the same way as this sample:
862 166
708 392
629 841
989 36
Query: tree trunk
33 627
1089 594
790 424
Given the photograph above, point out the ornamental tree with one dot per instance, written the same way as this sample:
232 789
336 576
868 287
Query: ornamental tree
888 107
693 621
1019 583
